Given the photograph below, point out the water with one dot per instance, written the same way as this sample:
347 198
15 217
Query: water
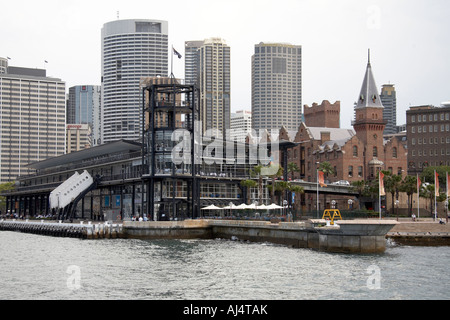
39 267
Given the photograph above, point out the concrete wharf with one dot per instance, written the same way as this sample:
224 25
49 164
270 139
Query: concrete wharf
346 236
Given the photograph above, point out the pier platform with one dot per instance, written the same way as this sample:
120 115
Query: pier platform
347 236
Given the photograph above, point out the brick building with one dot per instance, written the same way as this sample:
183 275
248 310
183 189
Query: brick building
356 154
428 131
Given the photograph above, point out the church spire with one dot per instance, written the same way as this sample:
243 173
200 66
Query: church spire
369 96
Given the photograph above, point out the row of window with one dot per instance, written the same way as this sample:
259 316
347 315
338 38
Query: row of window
433 152
430 117
434 140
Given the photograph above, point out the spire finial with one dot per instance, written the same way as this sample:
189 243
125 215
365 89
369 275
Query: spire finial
368 56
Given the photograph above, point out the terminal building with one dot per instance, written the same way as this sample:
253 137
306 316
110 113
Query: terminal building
140 178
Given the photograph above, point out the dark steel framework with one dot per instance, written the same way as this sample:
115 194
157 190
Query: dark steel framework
165 107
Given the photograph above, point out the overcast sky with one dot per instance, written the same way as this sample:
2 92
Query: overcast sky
409 41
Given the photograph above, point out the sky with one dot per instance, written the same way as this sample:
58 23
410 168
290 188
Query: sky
409 42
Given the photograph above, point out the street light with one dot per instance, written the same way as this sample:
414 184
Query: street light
396 206
350 204
333 204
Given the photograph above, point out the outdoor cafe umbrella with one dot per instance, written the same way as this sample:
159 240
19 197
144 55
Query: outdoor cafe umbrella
274 206
211 207
241 206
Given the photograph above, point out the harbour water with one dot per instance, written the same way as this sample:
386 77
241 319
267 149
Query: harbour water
49 268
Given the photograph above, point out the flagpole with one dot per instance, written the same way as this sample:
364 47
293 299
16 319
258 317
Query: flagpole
317 173
446 206
418 197
435 191
171 62
380 178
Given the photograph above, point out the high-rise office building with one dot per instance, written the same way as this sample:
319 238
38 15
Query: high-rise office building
389 100
214 84
131 50
191 61
33 120
276 86
241 125
83 107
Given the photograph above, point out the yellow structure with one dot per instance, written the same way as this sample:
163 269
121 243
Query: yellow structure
332 214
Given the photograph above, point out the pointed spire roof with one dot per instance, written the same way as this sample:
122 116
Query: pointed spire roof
369 96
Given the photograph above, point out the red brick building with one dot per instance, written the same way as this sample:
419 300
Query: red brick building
356 154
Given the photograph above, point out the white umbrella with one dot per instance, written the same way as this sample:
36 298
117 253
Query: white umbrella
274 206
241 206
251 206
231 206
261 207
211 207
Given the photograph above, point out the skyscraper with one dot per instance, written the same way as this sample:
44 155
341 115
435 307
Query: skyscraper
131 50
83 107
214 84
33 118
389 100
191 61
276 86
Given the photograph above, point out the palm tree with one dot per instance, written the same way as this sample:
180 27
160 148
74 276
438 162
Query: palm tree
249 184
257 171
326 168
278 173
409 186
292 168
296 190
427 192
359 187
392 184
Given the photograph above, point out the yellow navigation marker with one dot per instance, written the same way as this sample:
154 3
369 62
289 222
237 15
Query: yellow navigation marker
332 214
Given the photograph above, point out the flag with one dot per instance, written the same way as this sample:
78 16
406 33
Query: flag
381 182
448 183
321 179
436 183
419 183
175 52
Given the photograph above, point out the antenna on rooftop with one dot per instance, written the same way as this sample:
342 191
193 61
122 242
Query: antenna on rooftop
117 15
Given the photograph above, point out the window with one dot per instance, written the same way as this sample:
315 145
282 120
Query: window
350 171
375 151
360 171
394 152
355 151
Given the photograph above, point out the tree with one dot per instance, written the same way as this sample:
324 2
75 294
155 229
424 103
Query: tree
292 168
296 190
278 173
392 183
326 168
427 192
249 184
359 187
5 187
409 186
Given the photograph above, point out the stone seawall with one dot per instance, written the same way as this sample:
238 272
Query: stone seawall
349 237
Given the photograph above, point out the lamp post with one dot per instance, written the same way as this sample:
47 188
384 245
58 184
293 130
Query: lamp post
396 207
350 204
446 210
